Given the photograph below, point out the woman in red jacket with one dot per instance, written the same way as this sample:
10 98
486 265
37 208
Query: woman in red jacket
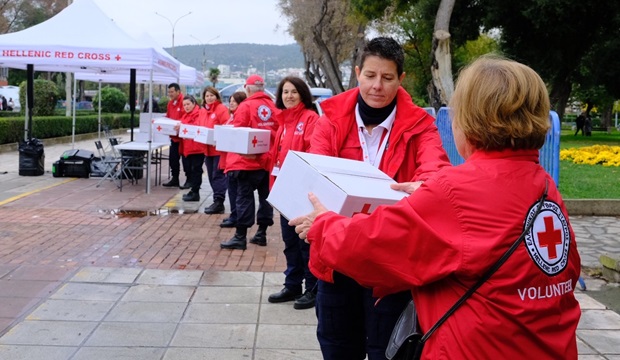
231 221
439 241
297 122
216 114
193 151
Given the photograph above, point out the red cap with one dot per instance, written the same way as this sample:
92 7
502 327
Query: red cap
255 80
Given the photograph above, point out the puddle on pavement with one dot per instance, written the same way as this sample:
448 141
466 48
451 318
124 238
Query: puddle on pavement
121 214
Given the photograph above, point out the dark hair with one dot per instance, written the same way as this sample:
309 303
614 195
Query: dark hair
239 96
175 86
213 91
300 86
385 48
190 98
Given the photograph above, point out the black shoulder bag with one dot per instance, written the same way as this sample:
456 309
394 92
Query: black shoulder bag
407 341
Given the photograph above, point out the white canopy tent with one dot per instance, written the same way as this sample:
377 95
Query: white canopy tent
81 38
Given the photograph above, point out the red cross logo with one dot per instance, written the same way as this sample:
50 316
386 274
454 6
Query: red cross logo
264 113
118 58
185 131
550 238
365 210
158 127
254 141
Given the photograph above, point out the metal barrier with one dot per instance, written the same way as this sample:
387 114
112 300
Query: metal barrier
549 153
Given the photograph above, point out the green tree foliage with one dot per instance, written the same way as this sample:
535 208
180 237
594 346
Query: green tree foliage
113 100
214 74
45 97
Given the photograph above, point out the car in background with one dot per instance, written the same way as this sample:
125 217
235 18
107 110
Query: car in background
318 95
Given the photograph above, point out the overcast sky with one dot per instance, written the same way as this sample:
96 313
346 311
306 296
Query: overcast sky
210 21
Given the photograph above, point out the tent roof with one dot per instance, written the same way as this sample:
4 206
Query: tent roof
188 74
81 38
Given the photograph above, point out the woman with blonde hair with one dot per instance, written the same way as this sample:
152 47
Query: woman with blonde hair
442 239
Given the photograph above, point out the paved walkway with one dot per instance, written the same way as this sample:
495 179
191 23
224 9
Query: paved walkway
89 272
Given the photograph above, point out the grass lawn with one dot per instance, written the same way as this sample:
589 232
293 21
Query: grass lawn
578 181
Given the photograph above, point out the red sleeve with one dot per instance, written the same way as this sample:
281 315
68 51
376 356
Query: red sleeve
412 243
431 155
309 131
242 115
221 115
322 140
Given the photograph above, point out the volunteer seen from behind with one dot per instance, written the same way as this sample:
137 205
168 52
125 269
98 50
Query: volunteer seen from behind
438 241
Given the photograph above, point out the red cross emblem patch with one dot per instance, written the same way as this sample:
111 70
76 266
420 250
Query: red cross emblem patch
549 239
264 112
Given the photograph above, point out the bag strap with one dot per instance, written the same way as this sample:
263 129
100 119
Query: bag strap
489 272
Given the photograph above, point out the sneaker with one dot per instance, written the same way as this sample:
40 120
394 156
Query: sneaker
306 301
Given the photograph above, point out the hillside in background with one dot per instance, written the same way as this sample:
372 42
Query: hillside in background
241 56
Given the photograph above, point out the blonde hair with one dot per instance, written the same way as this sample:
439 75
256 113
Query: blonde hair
499 104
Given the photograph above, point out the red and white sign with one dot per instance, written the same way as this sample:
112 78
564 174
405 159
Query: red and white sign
188 131
204 135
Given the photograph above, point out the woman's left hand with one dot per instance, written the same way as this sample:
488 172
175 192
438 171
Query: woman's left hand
408 187
302 224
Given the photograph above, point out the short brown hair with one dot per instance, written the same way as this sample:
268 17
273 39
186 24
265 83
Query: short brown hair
213 91
501 104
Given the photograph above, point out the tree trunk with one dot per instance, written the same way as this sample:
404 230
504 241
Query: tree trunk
357 52
560 92
442 85
330 67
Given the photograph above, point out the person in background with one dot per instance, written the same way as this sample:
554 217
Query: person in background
194 152
217 114
10 105
175 111
297 121
230 222
462 220
378 123
145 107
580 122
251 171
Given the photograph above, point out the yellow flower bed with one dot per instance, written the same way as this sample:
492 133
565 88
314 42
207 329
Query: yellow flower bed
593 155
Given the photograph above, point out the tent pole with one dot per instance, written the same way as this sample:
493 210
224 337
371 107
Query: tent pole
73 105
150 138
99 114
29 101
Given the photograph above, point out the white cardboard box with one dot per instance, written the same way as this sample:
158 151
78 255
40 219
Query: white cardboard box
188 131
165 126
204 135
242 140
216 131
344 186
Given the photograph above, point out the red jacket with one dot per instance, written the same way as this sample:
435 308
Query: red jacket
414 151
216 114
195 117
442 238
295 131
175 111
259 112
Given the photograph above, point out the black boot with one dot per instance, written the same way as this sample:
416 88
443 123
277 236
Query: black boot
174 182
216 208
238 241
191 196
260 238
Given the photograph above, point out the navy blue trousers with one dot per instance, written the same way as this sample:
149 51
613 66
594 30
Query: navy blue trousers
350 325
297 254
217 179
232 196
174 159
247 182
194 176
